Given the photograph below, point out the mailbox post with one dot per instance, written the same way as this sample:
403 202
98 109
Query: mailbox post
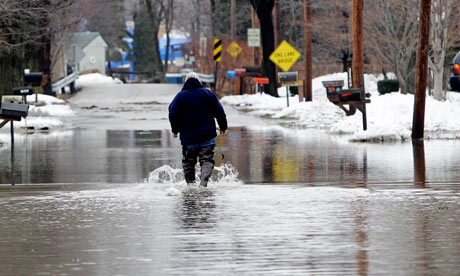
10 112
34 80
355 98
262 81
240 73
23 91
289 79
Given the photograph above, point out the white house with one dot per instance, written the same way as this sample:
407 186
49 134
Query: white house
88 52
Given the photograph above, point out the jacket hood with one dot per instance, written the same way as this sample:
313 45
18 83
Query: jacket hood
192 83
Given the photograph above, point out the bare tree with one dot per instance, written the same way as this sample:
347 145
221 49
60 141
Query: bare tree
392 33
443 22
168 7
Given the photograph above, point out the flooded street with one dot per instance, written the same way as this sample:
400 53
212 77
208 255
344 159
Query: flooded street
103 201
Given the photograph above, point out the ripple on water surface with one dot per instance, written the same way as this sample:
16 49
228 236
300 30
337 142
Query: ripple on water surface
229 229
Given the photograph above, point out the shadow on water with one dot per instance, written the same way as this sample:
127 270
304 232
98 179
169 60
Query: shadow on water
197 210
270 155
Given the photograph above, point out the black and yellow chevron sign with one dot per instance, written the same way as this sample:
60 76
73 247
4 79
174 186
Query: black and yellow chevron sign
217 49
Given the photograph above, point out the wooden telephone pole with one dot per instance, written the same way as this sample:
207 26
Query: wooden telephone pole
358 42
421 67
308 55
233 19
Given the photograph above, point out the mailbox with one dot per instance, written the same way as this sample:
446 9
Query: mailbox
14 110
23 91
231 74
33 79
253 70
288 76
350 95
355 98
241 72
333 87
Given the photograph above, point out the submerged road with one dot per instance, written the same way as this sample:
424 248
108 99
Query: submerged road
135 107
107 198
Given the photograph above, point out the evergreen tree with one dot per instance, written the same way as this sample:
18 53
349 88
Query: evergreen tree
143 43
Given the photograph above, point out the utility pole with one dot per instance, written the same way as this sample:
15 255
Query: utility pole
276 10
421 67
358 42
308 55
256 51
233 19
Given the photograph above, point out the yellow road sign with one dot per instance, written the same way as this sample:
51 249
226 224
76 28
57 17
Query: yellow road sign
234 49
285 55
217 50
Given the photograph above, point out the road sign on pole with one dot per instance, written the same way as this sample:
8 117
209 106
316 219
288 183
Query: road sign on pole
254 37
285 55
217 50
234 49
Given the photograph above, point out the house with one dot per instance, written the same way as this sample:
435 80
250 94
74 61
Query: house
87 52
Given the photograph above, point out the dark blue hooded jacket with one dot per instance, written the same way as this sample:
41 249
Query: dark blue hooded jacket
192 113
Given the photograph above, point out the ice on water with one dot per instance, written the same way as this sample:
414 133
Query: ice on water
173 178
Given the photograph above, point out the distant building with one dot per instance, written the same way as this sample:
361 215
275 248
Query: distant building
87 52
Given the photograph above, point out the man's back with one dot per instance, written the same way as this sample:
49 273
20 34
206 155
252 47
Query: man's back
192 113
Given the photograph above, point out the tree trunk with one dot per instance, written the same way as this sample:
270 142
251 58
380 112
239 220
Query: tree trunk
264 13
438 93
167 52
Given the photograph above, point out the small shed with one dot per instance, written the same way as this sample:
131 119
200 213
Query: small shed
88 52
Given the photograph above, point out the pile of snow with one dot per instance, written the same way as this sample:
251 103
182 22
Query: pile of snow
389 116
95 79
45 112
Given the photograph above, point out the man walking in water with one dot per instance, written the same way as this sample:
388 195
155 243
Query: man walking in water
192 114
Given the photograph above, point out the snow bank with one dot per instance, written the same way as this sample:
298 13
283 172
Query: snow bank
389 116
95 79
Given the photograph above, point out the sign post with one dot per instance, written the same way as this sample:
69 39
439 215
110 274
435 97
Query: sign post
217 58
285 56
234 49
254 37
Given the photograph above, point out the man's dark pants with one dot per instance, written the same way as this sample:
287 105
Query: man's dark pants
189 159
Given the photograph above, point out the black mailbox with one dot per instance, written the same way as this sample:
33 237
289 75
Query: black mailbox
333 87
355 98
33 79
253 70
350 95
14 110
22 91
288 76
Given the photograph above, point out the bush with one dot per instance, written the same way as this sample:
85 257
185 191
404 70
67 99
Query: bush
387 86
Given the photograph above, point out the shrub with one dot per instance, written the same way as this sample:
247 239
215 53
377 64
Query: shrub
387 86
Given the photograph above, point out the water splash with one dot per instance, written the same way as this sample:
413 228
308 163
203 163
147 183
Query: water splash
173 181
166 175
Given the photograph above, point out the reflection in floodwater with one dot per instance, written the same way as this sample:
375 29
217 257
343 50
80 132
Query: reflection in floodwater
419 163
197 209
229 228
271 155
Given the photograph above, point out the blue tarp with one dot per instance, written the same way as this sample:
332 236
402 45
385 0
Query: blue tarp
175 45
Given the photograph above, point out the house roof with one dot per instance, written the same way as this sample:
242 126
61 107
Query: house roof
83 39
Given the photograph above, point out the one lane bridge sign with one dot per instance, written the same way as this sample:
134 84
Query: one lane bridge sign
285 56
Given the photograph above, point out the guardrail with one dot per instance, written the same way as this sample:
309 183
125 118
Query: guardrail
58 86
179 77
